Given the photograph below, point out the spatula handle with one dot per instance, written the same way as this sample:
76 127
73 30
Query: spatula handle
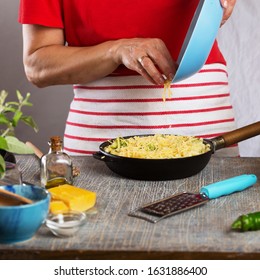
228 186
15 197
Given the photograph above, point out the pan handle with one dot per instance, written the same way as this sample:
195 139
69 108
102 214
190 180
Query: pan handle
236 136
101 156
98 155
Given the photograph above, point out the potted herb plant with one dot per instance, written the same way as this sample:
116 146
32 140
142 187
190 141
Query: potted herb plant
10 116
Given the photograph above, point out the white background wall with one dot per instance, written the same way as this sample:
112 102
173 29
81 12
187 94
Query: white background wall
239 39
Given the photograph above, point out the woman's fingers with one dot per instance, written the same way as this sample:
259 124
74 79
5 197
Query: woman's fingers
149 57
228 6
149 67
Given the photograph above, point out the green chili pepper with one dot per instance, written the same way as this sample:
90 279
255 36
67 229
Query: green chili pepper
250 221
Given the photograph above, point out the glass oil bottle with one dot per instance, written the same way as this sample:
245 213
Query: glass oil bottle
56 166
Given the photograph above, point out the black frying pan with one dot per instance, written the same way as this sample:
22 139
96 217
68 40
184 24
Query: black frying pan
177 168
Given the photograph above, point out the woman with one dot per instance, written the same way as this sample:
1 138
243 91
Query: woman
117 55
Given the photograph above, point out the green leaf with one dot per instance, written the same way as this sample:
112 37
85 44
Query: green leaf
19 96
3 96
13 104
16 118
29 104
2 167
3 119
30 121
25 101
17 147
3 143
9 110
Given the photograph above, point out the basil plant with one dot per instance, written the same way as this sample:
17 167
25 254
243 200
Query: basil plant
10 116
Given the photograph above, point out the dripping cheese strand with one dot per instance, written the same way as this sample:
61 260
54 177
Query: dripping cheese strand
167 89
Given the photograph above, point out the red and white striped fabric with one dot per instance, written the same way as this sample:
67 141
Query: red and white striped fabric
129 105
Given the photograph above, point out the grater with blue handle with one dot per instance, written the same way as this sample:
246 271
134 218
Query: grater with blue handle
163 208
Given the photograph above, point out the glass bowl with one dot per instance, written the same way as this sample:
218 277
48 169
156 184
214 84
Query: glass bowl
65 224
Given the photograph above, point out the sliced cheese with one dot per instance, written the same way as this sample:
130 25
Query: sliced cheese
74 197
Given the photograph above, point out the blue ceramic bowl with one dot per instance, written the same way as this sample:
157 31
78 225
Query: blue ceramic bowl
199 39
19 223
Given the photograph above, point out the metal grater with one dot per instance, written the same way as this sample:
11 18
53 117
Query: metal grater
163 208
169 206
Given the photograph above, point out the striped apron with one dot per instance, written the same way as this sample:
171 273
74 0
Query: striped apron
129 105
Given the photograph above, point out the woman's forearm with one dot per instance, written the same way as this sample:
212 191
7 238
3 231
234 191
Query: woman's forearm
56 64
47 61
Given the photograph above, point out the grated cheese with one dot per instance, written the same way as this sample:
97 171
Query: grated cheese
167 89
158 146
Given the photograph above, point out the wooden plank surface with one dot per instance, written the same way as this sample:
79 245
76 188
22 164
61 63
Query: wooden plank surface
109 233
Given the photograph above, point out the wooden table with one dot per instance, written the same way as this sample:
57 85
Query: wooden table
200 233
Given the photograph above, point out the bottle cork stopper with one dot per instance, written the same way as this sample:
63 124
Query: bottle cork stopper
55 143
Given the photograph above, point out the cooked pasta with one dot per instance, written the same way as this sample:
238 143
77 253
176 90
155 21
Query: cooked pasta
158 146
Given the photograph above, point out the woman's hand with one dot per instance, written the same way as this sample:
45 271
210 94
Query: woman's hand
228 6
147 56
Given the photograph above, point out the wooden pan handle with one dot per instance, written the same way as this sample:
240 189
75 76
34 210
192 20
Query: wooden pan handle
36 150
237 135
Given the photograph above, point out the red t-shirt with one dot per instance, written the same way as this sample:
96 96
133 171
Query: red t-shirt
90 22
